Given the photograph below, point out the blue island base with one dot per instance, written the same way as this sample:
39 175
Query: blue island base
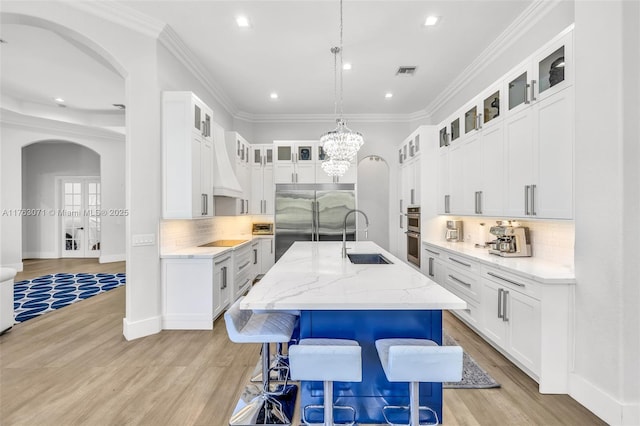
375 391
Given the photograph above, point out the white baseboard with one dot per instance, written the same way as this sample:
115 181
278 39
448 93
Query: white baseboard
187 322
108 258
19 267
146 327
602 404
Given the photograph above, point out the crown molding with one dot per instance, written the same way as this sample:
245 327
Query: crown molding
533 14
327 118
14 119
172 41
120 14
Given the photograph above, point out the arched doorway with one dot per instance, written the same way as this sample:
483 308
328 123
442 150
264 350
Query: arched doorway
61 182
373 197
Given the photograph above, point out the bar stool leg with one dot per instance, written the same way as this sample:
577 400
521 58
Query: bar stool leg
414 403
328 403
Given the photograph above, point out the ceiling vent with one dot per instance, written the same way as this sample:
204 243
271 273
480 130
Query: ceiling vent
406 70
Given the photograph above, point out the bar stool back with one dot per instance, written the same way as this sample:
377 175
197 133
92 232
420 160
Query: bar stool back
326 360
415 361
265 406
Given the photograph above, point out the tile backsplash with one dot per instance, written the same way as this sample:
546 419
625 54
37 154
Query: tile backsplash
182 233
550 240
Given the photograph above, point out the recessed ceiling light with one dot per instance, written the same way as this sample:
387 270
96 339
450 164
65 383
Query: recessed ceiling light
388 95
431 21
273 95
243 22
346 66
59 100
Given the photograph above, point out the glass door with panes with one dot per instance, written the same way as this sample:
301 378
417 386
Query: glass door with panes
80 215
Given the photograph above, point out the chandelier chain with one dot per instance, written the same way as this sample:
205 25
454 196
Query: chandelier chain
341 64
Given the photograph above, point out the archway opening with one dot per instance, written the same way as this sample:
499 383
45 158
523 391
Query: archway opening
373 197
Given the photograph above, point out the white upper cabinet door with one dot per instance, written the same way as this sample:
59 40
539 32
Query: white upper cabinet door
491 197
518 156
553 66
553 191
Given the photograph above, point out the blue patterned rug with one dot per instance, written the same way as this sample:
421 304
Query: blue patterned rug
49 292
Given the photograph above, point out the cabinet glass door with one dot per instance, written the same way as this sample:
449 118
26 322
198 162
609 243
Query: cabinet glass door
470 119
491 107
518 91
197 117
416 143
551 70
257 156
268 154
321 154
444 137
284 153
304 153
455 129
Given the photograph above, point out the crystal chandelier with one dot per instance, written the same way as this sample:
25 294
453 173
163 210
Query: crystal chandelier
340 144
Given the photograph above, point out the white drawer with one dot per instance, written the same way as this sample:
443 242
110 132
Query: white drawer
465 283
512 281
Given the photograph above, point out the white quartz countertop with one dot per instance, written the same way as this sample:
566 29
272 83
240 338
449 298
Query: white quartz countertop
533 268
314 276
197 252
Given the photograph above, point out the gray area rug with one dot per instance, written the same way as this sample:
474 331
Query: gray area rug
473 376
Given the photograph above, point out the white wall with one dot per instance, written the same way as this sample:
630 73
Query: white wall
373 198
42 163
606 368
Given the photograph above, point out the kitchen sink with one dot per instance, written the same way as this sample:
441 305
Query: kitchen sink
223 243
368 258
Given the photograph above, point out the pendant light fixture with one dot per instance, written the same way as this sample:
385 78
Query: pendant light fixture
340 144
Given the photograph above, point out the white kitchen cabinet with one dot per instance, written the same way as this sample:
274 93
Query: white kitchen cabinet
238 151
444 192
539 159
267 254
511 320
295 161
187 157
262 188
222 279
432 265
242 271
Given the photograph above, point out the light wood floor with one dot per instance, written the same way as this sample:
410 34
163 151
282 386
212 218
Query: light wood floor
73 367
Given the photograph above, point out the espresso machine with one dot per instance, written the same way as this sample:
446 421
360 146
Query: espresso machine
511 241
454 231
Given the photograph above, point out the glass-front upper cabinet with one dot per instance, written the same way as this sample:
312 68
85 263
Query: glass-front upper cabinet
455 129
471 119
443 136
545 73
491 107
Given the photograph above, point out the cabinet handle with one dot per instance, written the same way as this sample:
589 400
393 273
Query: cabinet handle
505 294
272 246
533 91
222 261
413 201
400 206
526 200
458 280
526 94
478 202
244 265
432 252
292 181
506 279
460 262
446 204
246 210
203 204
292 157
500 303
255 256
431 266
533 200
401 225
223 278
479 122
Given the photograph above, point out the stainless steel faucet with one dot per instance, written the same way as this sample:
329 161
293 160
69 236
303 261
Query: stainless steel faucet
344 229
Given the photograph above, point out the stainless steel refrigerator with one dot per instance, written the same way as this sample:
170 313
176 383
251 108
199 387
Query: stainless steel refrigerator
313 212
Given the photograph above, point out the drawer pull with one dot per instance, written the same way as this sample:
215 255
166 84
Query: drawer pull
458 280
223 260
460 262
244 266
505 279
432 252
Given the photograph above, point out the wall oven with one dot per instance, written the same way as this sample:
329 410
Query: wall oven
413 235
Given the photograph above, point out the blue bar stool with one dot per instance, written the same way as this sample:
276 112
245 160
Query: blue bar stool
262 406
415 361
326 360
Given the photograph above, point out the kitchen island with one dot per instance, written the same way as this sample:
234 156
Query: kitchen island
364 302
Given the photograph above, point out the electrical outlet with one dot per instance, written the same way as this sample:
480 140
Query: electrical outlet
143 240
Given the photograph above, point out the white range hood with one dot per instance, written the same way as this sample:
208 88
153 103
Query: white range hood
225 182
